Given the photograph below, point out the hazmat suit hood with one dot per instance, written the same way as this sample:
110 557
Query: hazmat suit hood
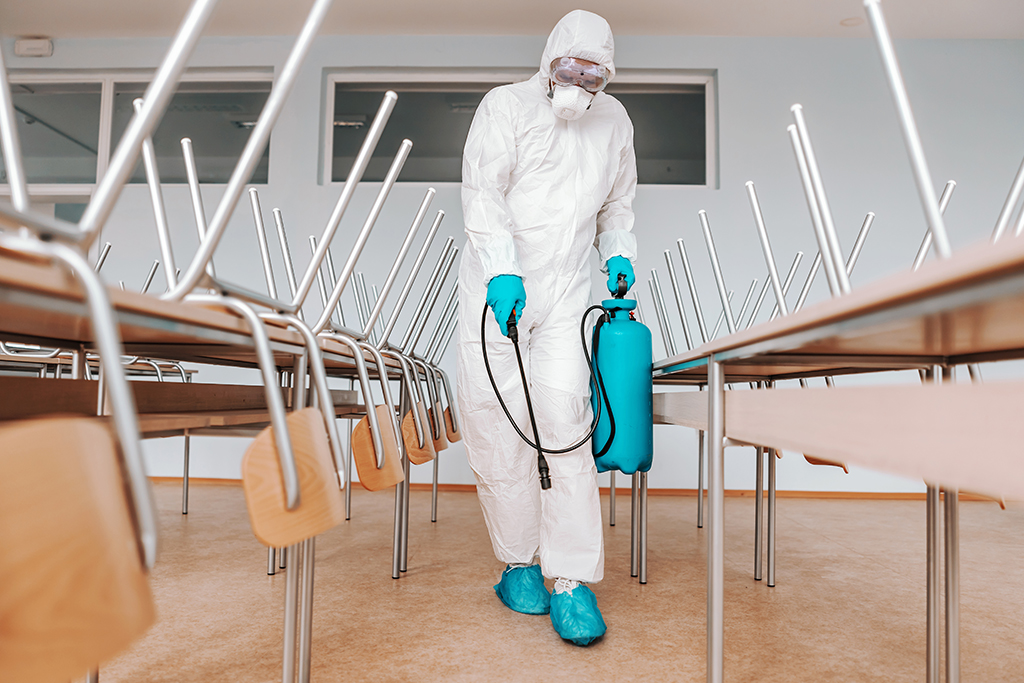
583 35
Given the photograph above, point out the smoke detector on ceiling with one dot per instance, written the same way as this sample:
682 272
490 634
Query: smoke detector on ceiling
33 47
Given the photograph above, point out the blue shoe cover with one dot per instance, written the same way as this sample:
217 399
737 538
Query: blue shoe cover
522 590
575 616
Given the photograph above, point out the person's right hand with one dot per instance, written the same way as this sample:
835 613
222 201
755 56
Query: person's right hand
506 293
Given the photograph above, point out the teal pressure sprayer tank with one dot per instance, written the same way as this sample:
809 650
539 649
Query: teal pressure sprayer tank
622 349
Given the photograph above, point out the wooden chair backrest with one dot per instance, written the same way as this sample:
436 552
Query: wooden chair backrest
441 442
321 506
73 592
454 435
416 454
372 478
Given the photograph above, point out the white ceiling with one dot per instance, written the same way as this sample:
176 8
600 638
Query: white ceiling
907 18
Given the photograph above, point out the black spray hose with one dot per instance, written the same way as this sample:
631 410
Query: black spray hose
596 378
542 462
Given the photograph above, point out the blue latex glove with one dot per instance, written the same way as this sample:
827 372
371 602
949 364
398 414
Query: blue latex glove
615 266
505 292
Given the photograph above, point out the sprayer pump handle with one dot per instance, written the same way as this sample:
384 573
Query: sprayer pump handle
623 287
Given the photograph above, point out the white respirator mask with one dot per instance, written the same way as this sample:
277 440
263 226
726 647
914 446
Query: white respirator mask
570 102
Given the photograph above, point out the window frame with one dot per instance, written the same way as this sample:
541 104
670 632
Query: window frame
59 193
387 76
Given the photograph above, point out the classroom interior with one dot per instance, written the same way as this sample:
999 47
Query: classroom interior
230 439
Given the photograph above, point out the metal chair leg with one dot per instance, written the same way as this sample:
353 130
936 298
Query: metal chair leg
634 521
306 609
611 499
348 469
271 561
433 491
93 676
291 613
643 527
405 518
184 476
396 545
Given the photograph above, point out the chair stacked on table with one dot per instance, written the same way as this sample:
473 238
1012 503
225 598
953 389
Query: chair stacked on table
71 456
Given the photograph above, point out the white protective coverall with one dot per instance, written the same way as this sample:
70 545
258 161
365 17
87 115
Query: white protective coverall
537 192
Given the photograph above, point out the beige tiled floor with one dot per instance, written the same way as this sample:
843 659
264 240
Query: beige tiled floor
849 605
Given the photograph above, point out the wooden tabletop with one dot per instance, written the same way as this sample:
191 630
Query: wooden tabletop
969 308
43 304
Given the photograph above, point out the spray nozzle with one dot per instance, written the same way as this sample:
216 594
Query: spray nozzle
513 328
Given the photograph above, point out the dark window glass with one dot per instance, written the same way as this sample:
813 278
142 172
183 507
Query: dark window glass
218 117
58 128
669 135
669 130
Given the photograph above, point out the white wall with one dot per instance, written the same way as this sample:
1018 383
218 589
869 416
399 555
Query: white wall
967 95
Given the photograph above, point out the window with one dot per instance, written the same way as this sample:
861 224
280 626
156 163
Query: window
673 114
59 130
69 123
217 116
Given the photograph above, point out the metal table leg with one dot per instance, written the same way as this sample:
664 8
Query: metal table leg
184 476
772 528
716 521
700 479
932 647
758 509
952 520
952 548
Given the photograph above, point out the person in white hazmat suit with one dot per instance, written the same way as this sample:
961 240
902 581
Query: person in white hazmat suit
548 171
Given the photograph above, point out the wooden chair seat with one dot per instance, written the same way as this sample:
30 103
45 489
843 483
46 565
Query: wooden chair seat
371 477
320 507
73 592
418 455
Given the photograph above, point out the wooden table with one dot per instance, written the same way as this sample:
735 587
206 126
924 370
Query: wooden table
966 309
42 304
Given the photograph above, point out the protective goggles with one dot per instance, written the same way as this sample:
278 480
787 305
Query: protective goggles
567 71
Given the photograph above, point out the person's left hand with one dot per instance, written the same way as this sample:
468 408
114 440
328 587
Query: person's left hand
619 265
